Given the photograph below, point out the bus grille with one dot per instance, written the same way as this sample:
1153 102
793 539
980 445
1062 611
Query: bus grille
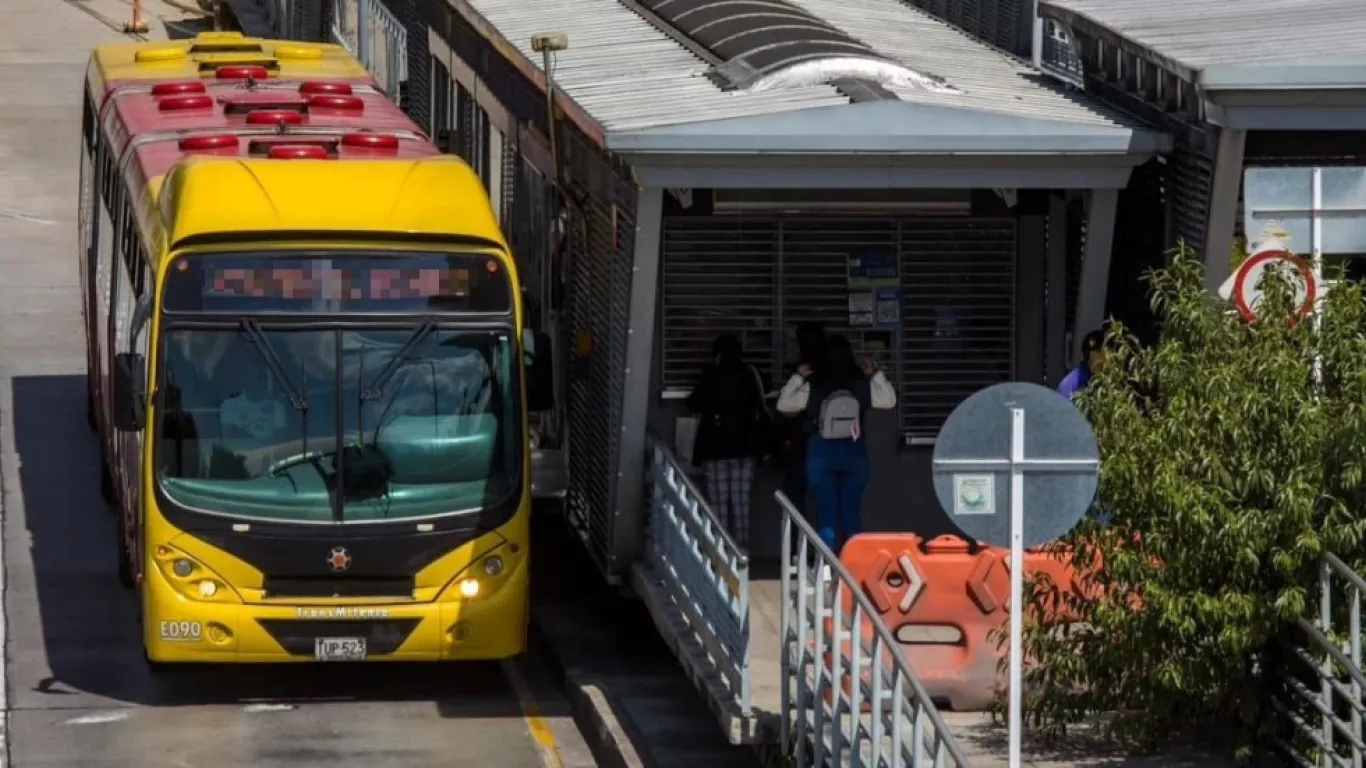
382 636
280 587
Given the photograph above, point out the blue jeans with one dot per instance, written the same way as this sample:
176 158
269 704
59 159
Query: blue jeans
837 471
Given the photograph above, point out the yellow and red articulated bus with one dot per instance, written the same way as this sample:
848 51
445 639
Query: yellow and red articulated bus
310 378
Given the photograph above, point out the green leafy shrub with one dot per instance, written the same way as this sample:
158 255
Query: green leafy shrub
1227 469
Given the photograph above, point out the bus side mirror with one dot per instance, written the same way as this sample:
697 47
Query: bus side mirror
130 389
540 372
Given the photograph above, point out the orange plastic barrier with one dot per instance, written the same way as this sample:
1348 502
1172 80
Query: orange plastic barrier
942 602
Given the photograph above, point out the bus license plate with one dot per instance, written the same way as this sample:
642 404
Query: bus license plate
339 649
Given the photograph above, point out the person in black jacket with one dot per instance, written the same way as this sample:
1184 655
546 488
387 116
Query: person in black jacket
732 432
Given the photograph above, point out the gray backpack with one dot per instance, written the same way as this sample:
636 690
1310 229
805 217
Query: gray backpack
839 417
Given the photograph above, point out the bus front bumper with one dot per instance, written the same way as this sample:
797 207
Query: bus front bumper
177 629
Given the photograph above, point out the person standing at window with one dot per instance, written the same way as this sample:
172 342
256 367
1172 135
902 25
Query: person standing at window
834 398
732 432
1092 361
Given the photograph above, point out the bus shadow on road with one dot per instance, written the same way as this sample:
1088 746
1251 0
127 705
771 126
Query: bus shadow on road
73 630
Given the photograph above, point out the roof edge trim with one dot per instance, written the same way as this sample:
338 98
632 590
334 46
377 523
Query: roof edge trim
1344 75
825 71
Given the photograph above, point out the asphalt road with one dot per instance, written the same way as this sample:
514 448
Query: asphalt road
76 691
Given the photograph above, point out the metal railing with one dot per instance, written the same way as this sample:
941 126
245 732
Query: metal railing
849 698
1325 724
703 567
370 32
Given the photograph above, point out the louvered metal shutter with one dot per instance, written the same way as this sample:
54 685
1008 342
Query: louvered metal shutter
816 253
1191 174
762 276
958 279
720 276
602 255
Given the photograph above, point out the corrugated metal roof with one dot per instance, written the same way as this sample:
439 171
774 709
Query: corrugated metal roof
626 73
990 80
1231 32
631 76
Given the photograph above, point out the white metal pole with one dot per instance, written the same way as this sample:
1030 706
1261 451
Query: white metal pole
1316 263
1017 443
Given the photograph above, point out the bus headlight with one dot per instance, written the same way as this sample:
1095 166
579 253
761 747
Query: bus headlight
469 588
182 567
208 588
493 565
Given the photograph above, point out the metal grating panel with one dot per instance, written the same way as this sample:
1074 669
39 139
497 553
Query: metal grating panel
415 97
958 276
720 276
1192 182
588 495
508 183
601 256
995 22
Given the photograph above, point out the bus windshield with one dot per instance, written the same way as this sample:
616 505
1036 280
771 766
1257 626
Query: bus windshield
300 424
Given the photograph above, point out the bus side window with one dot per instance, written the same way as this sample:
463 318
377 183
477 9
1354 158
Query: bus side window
138 267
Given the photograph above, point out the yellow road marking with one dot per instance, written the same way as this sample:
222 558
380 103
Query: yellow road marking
531 713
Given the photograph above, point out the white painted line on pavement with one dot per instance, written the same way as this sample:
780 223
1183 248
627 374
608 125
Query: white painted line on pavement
257 708
5 213
97 718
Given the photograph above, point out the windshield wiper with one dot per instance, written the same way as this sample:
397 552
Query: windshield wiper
277 369
376 388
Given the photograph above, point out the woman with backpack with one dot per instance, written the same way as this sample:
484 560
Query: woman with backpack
834 398
732 432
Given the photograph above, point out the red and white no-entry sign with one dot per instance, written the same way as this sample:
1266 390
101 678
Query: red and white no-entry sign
1245 284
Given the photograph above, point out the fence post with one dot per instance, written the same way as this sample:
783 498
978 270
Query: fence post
1326 687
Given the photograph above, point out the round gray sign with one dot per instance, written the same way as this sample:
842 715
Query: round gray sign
973 460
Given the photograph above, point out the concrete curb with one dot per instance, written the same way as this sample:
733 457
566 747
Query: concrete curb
595 712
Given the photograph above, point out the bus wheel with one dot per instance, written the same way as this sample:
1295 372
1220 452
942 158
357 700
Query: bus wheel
125 560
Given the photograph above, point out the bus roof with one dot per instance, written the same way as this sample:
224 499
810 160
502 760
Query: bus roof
115 63
156 157
433 197
132 114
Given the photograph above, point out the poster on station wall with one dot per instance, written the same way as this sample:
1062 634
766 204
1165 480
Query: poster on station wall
873 283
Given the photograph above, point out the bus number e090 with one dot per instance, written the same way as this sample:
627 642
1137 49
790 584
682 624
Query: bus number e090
181 631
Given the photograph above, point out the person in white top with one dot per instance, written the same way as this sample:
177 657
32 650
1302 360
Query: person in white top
833 399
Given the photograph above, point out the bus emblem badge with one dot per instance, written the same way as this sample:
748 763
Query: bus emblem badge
339 559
